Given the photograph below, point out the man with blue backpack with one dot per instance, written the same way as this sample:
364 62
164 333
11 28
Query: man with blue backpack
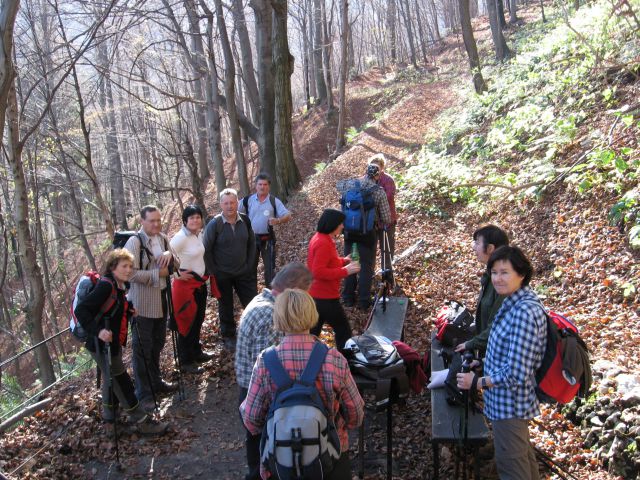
367 212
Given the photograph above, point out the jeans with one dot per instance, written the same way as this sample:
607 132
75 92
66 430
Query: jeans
364 278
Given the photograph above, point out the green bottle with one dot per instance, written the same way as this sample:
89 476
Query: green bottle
355 255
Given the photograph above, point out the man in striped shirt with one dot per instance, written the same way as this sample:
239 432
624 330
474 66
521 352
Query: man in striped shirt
148 295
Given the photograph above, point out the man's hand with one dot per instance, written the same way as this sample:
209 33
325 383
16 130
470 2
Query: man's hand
105 335
164 272
465 380
460 348
164 260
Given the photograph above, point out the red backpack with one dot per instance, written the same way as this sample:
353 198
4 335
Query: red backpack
565 350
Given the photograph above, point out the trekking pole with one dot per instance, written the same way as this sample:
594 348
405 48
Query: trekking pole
269 270
174 340
134 323
109 379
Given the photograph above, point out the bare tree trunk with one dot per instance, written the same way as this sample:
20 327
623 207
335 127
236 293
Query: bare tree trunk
321 86
248 74
404 6
288 175
391 29
544 18
266 142
229 88
500 9
327 50
423 43
470 45
434 20
313 91
116 182
35 304
344 51
512 12
8 12
500 44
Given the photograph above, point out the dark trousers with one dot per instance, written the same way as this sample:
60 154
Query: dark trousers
331 312
361 281
189 347
148 339
121 391
267 250
246 288
252 445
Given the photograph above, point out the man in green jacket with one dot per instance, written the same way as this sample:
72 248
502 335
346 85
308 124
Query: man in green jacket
485 240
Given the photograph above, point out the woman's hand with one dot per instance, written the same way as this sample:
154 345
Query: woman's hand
465 380
185 275
105 335
353 267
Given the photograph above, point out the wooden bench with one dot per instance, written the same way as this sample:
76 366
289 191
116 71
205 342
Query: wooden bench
447 421
387 322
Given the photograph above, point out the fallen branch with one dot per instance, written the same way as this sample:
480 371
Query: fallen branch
502 185
25 412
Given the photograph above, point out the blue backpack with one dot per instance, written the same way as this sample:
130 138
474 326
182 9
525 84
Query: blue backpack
358 206
299 440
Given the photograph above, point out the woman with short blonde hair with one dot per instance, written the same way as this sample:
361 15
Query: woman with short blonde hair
294 312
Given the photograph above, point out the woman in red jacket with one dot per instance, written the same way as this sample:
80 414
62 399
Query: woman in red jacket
328 270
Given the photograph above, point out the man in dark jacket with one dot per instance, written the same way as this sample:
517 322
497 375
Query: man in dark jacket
230 250
485 240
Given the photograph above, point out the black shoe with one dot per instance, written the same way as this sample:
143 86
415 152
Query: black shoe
204 357
192 368
229 343
166 387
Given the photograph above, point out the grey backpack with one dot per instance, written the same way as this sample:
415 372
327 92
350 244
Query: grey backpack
299 440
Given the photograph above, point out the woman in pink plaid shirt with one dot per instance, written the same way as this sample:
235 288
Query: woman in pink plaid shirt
294 314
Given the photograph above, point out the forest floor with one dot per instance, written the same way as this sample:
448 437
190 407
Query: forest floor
394 115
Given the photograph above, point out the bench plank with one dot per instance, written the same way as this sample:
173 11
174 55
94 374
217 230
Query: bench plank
447 419
390 322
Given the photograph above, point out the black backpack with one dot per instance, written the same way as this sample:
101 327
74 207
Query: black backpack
245 204
120 239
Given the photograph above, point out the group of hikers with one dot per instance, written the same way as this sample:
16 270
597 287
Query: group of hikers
154 275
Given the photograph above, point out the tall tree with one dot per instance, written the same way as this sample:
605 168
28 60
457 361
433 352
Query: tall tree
470 45
8 13
318 49
287 173
391 29
344 52
248 70
500 44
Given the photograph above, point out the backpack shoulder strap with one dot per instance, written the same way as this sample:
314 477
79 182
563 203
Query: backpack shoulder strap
314 364
277 371
219 224
245 204
143 249
111 301
273 204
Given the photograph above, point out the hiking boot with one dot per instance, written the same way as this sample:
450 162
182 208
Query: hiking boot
192 368
166 387
149 426
148 406
204 357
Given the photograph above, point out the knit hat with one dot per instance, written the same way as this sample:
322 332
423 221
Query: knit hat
329 220
372 170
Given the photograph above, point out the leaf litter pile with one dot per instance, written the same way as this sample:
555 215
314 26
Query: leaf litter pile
581 264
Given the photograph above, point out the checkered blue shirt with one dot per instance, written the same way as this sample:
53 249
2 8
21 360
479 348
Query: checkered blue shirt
255 333
516 345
